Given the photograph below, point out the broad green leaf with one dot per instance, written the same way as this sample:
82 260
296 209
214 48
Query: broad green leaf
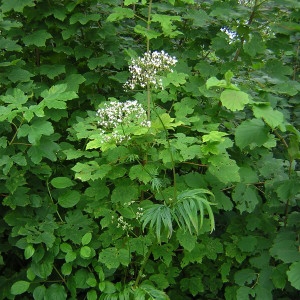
272 117
244 293
255 45
66 269
61 182
16 5
166 22
234 100
141 173
245 276
46 148
199 17
37 38
69 199
120 13
18 74
84 18
149 34
177 79
55 291
85 252
186 240
113 257
252 133
39 292
245 197
294 275
20 287
285 248
36 130
124 193
51 71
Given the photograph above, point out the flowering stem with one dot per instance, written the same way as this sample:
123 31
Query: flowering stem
148 101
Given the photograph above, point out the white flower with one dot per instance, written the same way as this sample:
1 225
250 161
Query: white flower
115 117
148 69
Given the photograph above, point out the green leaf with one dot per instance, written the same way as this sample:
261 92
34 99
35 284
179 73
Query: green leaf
16 5
294 274
55 292
18 74
85 252
39 293
244 292
56 96
149 34
177 79
113 257
141 173
245 276
20 287
29 251
166 22
186 240
51 71
69 199
234 100
284 247
66 269
61 182
120 13
272 117
254 45
84 18
252 133
245 197
86 238
36 130
37 38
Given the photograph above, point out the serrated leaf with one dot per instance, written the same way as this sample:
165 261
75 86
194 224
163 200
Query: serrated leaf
149 34
245 276
20 287
84 18
36 130
294 274
272 117
234 100
56 291
186 240
37 38
120 13
16 5
251 132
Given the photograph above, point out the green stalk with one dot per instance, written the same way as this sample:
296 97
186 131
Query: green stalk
171 154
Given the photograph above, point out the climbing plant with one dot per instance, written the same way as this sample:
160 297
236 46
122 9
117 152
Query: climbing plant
149 149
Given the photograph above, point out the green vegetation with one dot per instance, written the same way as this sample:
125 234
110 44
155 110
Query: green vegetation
149 149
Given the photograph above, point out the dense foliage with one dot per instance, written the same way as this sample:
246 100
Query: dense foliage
149 149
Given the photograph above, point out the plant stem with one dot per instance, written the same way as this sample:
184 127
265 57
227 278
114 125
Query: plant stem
171 154
49 192
141 270
148 23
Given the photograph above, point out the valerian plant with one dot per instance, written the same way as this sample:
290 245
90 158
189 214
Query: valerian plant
149 149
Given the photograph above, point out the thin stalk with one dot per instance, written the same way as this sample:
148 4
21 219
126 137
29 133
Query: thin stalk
148 23
171 154
148 102
49 192
140 274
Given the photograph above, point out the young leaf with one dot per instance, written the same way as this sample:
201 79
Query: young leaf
20 287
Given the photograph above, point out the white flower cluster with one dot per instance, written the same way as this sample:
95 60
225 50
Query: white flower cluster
139 213
115 116
123 224
148 69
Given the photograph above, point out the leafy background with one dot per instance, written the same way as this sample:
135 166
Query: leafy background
224 129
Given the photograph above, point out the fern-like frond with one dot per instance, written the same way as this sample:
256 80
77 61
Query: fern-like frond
189 208
158 215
